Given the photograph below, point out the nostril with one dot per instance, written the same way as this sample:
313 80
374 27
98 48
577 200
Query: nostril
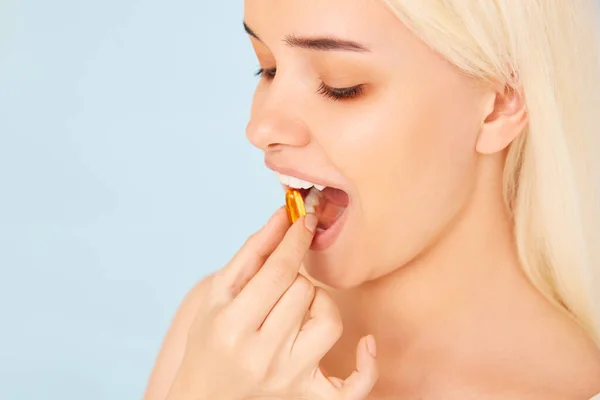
275 147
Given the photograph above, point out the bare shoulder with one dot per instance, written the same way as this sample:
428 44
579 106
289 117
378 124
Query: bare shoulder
557 364
586 374
576 382
574 365
557 359
173 346
571 370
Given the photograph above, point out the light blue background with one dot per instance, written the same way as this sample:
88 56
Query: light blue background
123 164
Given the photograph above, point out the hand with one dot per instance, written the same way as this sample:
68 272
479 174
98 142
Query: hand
263 328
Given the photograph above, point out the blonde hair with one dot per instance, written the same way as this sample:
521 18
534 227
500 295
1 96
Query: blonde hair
551 53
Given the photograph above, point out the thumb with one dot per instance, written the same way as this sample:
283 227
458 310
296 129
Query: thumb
360 382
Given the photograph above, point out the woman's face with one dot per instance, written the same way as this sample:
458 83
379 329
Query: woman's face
399 139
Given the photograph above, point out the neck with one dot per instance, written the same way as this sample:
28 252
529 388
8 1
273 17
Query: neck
473 263
463 311
469 284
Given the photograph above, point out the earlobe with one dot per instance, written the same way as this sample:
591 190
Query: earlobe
506 121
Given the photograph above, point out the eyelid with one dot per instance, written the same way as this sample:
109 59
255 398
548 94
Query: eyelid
346 93
266 72
334 93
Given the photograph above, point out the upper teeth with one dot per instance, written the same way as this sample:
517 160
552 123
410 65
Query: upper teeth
297 183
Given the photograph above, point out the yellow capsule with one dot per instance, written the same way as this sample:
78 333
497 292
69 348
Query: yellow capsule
294 204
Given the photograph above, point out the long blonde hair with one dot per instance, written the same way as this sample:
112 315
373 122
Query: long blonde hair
550 51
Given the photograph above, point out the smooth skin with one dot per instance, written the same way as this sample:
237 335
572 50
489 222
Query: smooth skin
261 329
426 261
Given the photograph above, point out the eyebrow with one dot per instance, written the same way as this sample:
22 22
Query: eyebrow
326 43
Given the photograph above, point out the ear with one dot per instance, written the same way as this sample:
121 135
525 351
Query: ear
506 119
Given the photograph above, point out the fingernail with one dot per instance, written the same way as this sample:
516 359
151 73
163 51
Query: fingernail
371 346
311 222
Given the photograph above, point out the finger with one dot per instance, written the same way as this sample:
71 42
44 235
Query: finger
230 280
258 297
318 335
361 382
287 316
336 382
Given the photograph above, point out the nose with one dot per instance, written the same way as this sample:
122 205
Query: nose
275 128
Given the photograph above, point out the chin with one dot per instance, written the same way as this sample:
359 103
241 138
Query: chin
336 270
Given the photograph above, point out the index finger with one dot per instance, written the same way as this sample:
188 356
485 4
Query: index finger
262 292
253 254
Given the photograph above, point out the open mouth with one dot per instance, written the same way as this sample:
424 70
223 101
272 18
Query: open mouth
327 203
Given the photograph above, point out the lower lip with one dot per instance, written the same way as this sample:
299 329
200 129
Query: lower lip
325 239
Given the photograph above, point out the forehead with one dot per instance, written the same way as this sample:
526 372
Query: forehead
369 21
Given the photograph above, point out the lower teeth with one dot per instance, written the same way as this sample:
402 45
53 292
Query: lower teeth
312 200
326 212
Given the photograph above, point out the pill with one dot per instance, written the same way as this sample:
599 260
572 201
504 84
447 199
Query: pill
294 204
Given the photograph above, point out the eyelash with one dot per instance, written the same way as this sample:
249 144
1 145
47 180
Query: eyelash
327 91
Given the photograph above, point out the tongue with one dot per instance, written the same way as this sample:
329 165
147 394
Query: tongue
332 204
335 196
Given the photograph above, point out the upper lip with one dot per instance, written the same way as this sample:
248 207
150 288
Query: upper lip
298 174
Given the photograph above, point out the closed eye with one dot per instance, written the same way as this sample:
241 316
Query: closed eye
340 93
325 90
267 73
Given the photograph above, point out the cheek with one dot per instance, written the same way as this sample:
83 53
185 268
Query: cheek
411 161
